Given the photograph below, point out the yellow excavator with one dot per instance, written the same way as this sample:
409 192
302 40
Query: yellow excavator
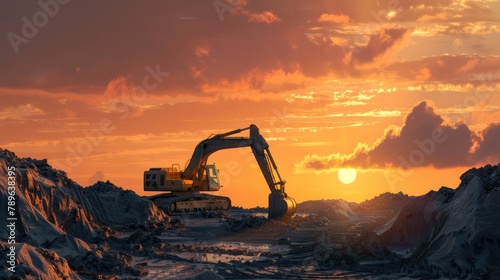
184 187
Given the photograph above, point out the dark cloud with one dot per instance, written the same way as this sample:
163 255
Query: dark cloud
447 68
88 44
489 148
380 44
424 140
480 48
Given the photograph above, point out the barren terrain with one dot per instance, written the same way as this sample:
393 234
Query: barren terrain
65 231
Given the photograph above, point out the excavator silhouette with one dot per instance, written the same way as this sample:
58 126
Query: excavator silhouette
184 187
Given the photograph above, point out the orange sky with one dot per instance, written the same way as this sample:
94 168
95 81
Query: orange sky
406 92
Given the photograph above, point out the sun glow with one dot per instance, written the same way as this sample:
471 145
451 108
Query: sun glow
347 175
391 14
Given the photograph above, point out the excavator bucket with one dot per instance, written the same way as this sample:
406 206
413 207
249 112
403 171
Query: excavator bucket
281 206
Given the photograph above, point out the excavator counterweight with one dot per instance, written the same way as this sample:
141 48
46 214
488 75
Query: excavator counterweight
184 187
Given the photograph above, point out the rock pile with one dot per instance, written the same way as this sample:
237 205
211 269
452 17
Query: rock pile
59 222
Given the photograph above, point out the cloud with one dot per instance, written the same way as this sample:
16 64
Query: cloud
197 48
334 18
424 140
442 16
117 87
21 112
454 68
373 113
254 36
257 82
381 47
432 11
264 17
465 29
424 74
488 147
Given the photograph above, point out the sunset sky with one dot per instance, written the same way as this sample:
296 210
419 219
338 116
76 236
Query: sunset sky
405 92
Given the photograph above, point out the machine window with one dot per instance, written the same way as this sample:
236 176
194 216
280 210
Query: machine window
213 179
152 185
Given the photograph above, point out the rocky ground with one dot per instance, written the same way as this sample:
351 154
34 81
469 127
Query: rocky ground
65 231
241 245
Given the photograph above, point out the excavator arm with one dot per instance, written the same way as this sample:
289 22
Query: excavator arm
280 205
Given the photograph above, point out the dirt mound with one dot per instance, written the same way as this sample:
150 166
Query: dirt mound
207 275
256 223
51 203
334 209
390 202
416 218
112 206
37 263
58 218
453 232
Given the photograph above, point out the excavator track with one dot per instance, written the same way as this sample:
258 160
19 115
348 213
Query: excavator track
178 204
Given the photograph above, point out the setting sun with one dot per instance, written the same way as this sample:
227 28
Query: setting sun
347 175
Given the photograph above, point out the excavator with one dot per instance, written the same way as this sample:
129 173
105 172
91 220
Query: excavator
184 187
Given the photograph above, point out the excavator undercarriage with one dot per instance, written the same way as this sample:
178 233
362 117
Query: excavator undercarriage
184 187
185 203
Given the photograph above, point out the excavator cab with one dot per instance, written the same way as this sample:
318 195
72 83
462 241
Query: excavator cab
170 179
